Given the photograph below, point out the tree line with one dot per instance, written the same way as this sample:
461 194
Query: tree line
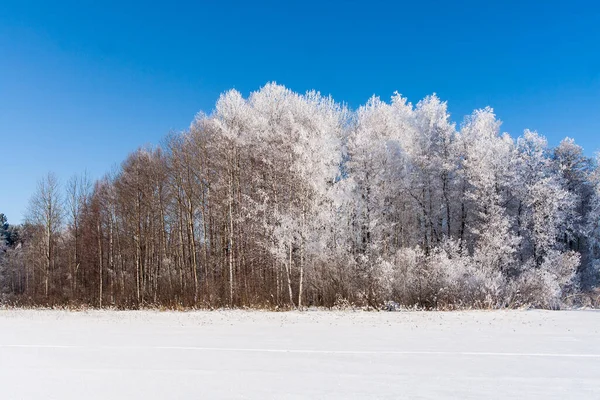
290 200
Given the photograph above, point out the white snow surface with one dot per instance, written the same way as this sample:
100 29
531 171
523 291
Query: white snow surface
299 355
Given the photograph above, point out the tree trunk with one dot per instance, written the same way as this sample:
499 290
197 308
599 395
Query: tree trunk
99 264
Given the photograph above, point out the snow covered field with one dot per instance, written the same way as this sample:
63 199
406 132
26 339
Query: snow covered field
312 355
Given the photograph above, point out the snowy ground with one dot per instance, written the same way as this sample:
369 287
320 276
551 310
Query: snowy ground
310 355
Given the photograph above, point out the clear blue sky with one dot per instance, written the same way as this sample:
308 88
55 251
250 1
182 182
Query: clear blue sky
83 83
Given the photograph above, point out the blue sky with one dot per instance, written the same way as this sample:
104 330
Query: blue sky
83 83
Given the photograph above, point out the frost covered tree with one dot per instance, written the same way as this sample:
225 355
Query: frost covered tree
593 225
485 170
283 199
545 214
376 172
576 175
294 142
434 163
546 209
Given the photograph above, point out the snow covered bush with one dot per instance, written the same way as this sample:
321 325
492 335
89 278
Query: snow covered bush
547 285
464 281
411 279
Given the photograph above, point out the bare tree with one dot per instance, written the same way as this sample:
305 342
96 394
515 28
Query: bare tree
46 210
